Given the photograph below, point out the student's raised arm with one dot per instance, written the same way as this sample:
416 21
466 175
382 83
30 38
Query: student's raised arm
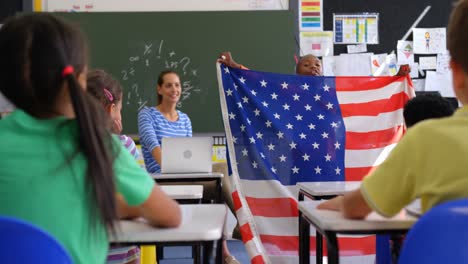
226 58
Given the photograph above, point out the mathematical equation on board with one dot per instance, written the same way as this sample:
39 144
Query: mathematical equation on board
153 58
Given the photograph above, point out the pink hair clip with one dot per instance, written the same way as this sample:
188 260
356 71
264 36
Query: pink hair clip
109 95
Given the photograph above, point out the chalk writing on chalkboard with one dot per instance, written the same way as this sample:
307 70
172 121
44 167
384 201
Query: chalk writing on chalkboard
144 65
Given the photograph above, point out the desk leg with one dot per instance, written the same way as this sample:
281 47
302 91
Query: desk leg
207 251
304 240
318 248
196 254
301 196
332 248
219 186
219 252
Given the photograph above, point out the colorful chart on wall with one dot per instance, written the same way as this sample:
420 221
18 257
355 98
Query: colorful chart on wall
356 28
310 15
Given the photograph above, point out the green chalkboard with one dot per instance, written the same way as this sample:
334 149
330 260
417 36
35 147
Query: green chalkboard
136 47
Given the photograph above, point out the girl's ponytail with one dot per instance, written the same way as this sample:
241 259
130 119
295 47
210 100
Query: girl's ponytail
96 144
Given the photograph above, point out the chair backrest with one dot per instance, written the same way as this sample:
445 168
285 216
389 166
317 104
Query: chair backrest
22 242
439 236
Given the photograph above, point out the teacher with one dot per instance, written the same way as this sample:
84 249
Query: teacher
164 120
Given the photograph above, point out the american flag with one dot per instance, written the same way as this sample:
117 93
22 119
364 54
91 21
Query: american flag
283 129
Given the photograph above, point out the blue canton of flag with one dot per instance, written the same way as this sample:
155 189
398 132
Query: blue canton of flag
284 127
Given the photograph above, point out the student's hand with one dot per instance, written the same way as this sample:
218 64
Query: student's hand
404 70
117 126
332 204
226 59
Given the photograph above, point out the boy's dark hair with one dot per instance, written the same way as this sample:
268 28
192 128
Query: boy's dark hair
97 81
34 50
161 81
426 106
457 37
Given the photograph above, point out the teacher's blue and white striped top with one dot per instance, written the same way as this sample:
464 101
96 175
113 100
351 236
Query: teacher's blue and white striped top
153 126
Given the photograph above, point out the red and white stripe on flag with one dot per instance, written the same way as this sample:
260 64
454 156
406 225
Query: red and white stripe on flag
372 110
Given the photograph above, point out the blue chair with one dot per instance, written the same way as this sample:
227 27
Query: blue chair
22 242
439 236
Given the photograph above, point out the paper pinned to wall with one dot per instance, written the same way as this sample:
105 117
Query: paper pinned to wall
353 64
328 65
441 82
383 64
443 62
160 5
428 63
357 48
405 52
317 43
429 40
414 73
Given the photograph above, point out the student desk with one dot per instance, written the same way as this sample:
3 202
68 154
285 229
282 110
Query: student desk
202 225
193 177
325 190
184 193
330 223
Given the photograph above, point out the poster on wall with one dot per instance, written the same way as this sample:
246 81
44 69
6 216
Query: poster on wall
318 44
157 5
356 28
405 52
310 15
429 40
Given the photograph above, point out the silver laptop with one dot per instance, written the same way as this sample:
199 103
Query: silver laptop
186 155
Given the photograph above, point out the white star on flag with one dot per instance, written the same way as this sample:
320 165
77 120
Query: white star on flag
245 152
282 158
280 134
295 170
337 145
292 145
271 147
254 165
318 170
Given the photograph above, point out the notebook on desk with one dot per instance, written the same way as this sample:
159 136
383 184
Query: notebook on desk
186 155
